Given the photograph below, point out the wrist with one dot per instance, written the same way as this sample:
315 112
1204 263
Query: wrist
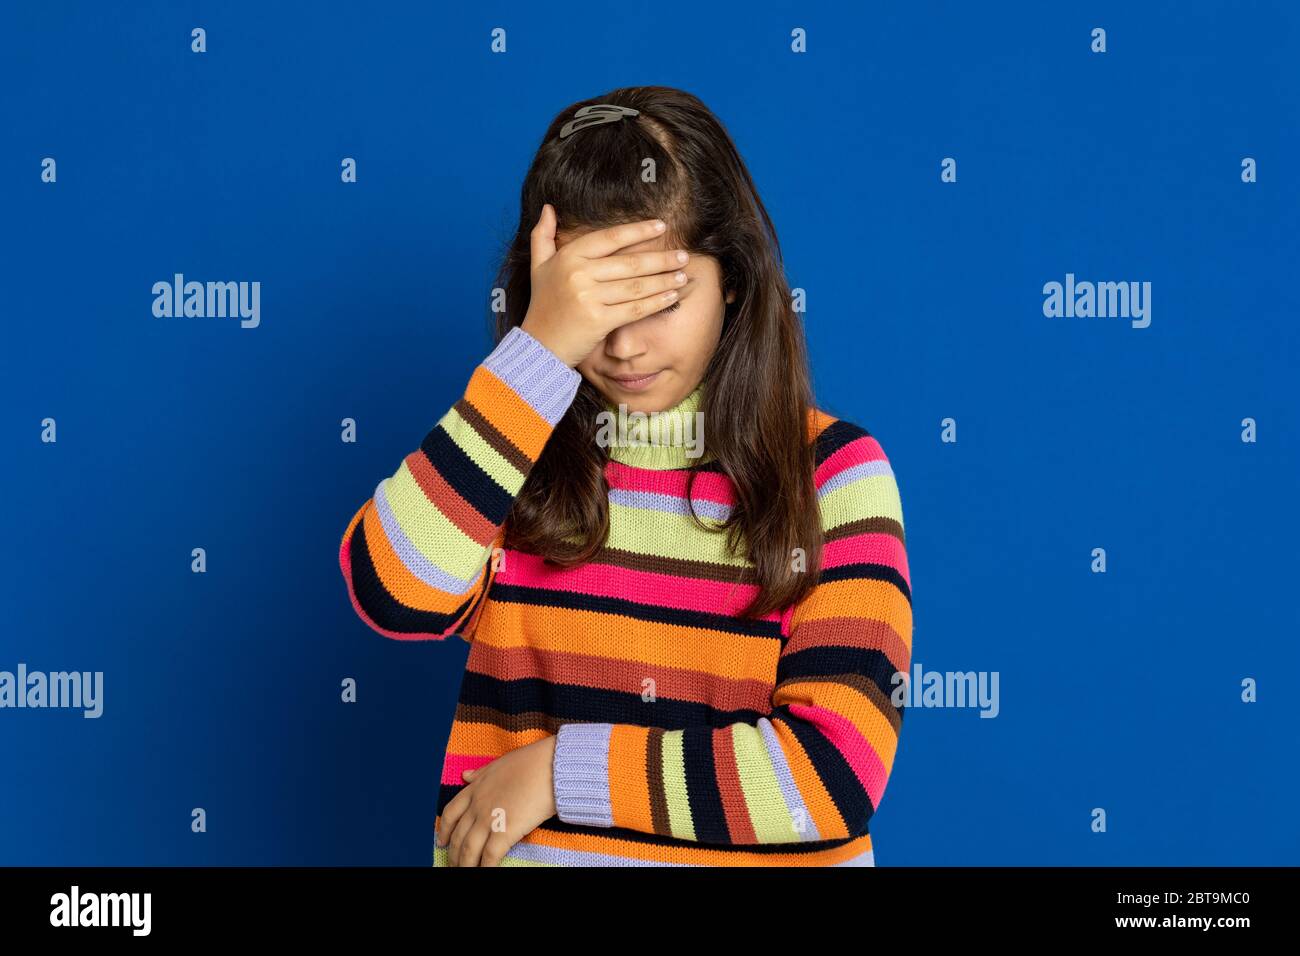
542 338
535 373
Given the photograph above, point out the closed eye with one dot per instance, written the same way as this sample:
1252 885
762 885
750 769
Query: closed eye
676 305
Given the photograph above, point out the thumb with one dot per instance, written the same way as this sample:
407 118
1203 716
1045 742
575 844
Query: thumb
542 243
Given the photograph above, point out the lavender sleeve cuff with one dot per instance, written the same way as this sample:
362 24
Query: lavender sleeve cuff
536 373
581 774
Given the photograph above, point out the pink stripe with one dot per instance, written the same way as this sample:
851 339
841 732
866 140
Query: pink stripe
646 587
856 452
859 753
871 548
708 486
456 764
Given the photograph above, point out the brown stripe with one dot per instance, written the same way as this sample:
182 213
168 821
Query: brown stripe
499 442
680 567
654 759
870 633
514 723
873 525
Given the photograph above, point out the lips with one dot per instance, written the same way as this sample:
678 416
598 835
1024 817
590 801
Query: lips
633 383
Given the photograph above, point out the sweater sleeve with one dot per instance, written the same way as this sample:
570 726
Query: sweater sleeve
815 766
416 556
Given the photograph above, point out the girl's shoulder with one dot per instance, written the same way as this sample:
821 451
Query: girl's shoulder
832 435
854 478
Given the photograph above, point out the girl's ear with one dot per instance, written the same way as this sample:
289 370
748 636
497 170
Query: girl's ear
731 295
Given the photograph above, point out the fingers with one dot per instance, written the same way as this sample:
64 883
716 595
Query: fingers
455 845
632 264
471 848
495 850
626 312
603 242
635 285
451 814
541 241
650 288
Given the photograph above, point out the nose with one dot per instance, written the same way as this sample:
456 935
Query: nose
625 342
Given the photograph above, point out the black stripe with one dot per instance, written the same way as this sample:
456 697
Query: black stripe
570 703
382 607
869 571
831 660
521 594
469 480
835 436
834 771
702 792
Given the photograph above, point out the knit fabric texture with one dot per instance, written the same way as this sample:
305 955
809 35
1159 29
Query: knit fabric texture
685 734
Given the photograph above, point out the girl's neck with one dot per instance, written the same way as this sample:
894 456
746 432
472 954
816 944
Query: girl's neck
674 438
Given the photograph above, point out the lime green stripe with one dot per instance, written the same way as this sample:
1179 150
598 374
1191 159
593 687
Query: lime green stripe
875 496
432 533
440 858
767 808
481 453
647 531
680 823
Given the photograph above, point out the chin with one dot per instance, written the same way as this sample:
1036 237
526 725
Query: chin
650 400
643 402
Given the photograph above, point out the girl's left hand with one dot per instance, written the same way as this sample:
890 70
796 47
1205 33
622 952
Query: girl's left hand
505 801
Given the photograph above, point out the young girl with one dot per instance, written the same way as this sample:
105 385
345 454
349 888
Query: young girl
681 652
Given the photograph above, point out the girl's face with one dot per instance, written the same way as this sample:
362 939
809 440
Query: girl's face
674 346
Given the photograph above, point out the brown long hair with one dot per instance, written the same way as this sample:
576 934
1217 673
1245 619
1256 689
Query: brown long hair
757 393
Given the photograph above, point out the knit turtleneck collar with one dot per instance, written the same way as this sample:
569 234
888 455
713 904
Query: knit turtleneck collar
666 450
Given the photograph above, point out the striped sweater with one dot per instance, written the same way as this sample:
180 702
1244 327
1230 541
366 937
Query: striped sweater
685 734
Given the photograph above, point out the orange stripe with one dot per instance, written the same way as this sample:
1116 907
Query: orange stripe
401 583
629 794
857 597
825 816
850 704
818 422
507 410
546 629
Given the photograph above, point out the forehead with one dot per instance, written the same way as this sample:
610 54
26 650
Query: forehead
653 244
698 266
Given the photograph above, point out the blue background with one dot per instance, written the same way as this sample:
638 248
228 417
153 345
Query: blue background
1118 690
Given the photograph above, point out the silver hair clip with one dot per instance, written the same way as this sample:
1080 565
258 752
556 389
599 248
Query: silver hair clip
594 115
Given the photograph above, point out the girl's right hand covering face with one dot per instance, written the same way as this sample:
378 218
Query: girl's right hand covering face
584 291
